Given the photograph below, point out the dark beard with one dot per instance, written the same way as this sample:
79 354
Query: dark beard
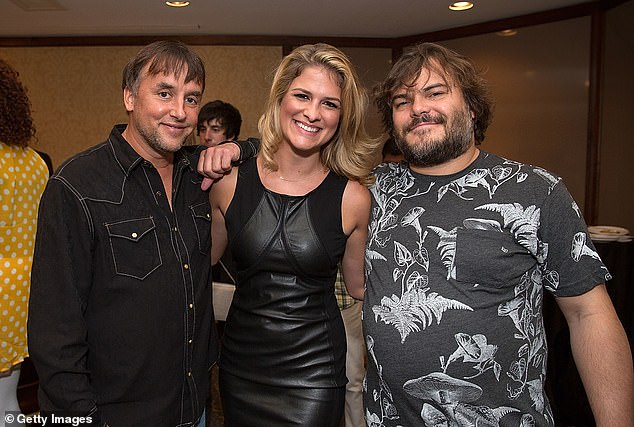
436 152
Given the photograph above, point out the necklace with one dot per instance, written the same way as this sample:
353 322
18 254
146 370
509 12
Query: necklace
310 175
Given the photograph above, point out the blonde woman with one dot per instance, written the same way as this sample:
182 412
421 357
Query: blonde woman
289 216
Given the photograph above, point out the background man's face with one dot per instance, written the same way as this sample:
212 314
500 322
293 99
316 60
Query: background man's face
212 133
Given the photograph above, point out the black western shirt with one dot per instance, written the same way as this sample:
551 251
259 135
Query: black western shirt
121 320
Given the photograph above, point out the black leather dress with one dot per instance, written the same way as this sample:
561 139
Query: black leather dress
283 356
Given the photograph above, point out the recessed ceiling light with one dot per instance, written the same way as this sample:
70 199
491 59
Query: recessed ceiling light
461 5
177 3
507 33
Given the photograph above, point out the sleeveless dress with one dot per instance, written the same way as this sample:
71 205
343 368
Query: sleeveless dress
283 355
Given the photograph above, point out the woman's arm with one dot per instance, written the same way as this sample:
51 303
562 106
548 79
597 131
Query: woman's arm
220 197
355 214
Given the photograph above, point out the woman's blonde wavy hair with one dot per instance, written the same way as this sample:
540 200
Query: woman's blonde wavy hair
351 152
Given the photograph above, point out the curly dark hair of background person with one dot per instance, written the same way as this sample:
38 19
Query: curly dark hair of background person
16 124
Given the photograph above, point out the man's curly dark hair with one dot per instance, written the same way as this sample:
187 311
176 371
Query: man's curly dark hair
16 123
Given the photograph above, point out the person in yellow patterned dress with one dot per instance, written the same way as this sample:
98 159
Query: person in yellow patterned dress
23 176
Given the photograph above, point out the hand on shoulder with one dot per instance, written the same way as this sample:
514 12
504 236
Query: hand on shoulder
217 161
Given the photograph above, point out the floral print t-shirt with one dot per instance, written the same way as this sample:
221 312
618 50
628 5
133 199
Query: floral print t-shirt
452 313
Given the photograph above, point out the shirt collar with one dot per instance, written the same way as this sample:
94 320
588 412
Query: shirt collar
129 159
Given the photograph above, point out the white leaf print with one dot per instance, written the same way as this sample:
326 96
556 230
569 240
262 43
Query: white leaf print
389 410
382 241
416 281
447 246
500 173
402 255
390 222
473 179
421 256
442 191
537 345
517 369
415 310
370 254
523 222
497 369
397 273
481 224
523 350
535 390
551 279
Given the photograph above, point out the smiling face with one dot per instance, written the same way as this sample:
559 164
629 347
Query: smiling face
310 110
162 113
432 123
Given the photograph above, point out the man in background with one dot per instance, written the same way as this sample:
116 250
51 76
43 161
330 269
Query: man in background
120 324
350 309
391 152
218 121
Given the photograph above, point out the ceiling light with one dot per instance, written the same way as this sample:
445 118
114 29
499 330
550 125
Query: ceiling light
177 3
507 33
461 5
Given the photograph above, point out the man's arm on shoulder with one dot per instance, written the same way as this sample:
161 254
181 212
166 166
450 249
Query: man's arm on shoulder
214 162
60 281
602 355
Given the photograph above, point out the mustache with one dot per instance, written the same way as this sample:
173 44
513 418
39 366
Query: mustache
426 118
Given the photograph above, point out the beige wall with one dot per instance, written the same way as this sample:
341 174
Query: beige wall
372 65
539 81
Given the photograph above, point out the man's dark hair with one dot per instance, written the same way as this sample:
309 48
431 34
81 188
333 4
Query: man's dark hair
167 57
455 68
227 115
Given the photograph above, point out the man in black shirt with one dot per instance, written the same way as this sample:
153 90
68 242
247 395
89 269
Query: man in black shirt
120 324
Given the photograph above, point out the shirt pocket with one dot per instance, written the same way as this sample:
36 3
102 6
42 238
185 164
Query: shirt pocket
201 216
490 258
135 247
